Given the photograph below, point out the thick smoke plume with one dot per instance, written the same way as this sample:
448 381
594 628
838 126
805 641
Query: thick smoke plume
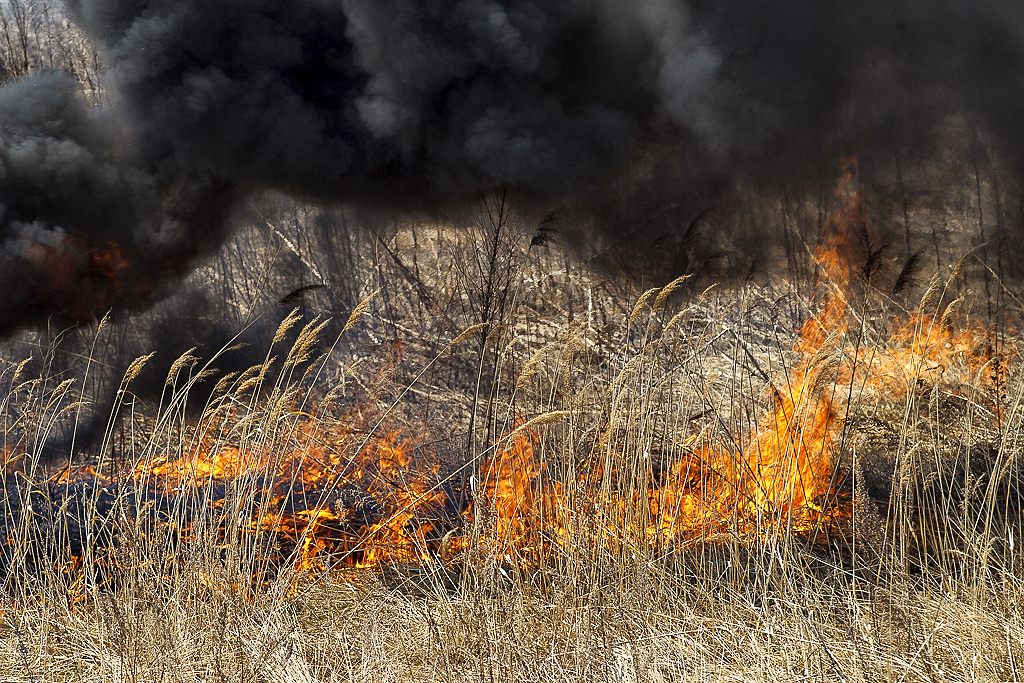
415 102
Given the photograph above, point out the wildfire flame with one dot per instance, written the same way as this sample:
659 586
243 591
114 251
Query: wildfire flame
75 277
316 505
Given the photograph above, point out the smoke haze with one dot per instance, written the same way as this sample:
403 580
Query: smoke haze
413 103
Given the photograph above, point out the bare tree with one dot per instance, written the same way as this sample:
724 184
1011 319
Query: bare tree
36 35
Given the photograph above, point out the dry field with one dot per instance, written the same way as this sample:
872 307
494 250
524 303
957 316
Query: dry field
474 455
781 438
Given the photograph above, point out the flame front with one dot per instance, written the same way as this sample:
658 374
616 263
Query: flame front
315 505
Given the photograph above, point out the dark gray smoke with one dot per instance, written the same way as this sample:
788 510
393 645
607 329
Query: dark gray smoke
411 102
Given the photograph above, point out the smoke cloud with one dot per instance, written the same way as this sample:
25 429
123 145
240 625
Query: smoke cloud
413 102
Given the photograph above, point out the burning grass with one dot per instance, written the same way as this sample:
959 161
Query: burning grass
708 484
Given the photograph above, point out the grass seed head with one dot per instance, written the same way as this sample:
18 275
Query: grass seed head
358 312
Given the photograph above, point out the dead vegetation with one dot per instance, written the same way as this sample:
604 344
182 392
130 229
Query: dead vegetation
458 339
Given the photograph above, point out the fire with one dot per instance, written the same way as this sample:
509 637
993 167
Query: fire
76 277
366 510
322 492
789 477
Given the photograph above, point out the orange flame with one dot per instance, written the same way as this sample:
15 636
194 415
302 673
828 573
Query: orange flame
394 502
76 277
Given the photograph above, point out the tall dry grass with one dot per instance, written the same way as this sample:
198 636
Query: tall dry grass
97 585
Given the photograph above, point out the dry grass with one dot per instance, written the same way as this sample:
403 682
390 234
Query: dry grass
650 627
928 592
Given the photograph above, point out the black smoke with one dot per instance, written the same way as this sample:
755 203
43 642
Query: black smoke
415 102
